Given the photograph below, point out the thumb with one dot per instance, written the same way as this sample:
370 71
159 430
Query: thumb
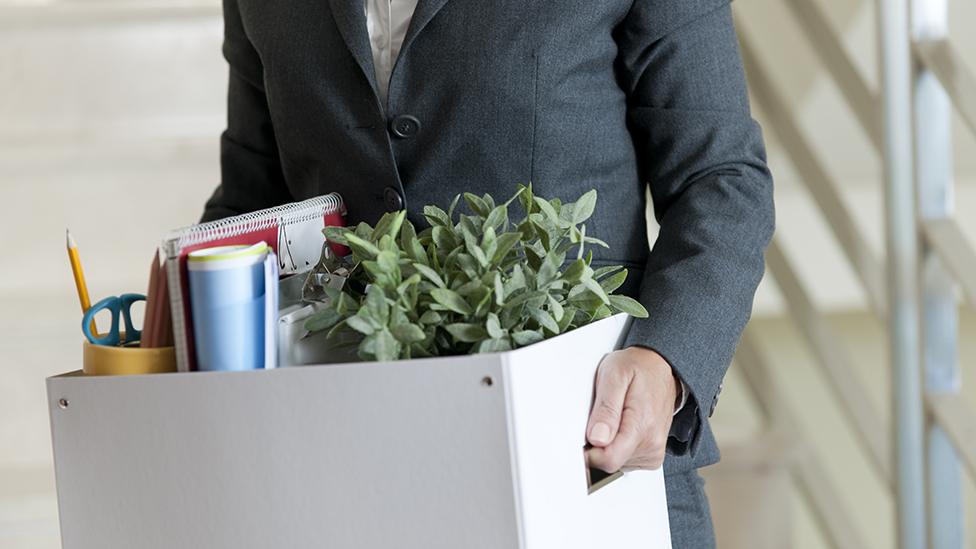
611 389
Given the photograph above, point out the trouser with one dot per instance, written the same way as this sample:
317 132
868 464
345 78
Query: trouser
688 512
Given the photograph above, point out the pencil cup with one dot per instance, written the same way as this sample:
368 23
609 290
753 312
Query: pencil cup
104 360
227 301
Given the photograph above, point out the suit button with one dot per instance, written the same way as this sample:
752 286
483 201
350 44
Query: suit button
393 200
404 126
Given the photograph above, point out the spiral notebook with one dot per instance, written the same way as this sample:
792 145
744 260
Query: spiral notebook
294 231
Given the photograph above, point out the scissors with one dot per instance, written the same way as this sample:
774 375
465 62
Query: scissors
118 306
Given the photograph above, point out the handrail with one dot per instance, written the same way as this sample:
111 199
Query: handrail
828 507
932 111
821 186
945 236
940 57
952 413
836 362
885 119
862 101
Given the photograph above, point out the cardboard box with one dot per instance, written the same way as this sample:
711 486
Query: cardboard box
482 451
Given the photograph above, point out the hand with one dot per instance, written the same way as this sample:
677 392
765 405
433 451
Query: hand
631 418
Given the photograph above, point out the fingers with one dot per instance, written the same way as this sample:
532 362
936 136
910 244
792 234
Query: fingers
611 389
629 436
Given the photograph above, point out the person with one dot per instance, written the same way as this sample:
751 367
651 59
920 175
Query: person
410 102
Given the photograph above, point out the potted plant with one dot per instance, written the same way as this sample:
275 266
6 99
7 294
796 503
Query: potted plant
471 282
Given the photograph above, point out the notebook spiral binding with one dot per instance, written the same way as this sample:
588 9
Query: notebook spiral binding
256 221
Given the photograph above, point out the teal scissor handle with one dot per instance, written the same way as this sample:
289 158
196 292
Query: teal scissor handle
118 306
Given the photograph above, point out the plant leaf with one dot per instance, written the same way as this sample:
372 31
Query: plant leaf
555 308
476 204
546 208
377 306
468 264
467 333
575 271
569 313
430 274
408 333
336 234
518 193
525 198
516 281
583 208
389 225
471 244
407 284
489 201
549 269
499 289
323 320
387 261
497 218
494 326
544 319
603 311
604 271
443 237
451 300
346 304
361 246
437 217
493 346
504 244
594 286
385 346
527 337
628 305
597 241
431 317
359 323
454 203
611 283
411 244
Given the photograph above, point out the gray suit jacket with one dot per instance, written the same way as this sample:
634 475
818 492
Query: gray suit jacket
612 94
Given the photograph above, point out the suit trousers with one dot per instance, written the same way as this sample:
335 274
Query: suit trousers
688 511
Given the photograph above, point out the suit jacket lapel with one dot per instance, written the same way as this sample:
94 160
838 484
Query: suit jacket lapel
425 11
350 17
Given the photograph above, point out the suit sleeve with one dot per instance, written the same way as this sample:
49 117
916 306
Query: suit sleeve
251 175
703 156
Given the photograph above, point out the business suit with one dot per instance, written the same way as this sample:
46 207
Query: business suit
613 95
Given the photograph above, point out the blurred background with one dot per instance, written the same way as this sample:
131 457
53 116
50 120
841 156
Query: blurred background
110 112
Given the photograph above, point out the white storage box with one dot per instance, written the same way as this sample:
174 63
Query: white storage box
483 451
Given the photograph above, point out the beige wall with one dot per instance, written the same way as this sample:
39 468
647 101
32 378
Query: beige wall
109 117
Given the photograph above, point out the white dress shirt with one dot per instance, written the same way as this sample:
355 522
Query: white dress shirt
387 22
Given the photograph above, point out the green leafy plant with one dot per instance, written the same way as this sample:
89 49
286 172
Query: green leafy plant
473 282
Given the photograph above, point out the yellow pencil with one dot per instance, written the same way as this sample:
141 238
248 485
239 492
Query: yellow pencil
79 275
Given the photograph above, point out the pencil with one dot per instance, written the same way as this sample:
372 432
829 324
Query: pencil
79 275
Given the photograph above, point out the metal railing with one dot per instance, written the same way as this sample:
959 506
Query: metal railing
912 290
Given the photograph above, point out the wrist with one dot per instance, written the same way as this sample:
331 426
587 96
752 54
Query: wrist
652 357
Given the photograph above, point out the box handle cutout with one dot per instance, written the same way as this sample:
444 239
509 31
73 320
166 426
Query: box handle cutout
598 478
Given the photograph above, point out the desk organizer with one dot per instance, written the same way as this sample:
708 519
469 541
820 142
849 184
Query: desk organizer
103 360
474 452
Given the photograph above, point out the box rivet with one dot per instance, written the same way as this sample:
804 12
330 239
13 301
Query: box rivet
63 403
487 381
